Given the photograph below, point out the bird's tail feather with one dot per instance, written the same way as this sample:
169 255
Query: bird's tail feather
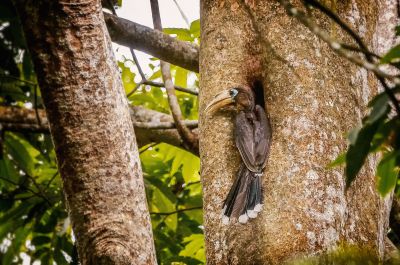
244 200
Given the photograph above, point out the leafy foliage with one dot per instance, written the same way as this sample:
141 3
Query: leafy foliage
34 223
379 133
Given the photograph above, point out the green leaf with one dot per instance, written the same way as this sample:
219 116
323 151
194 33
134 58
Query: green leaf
195 28
181 77
380 108
59 257
358 151
17 242
341 159
393 56
352 136
387 173
22 152
9 172
195 247
6 204
164 205
181 33
40 240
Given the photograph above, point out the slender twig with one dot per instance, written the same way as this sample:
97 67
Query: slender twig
179 88
158 84
362 47
337 48
191 183
178 211
338 21
134 89
147 147
142 75
39 189
26 188
189 139
51 180
144 80
182 13
18 79
36 106
357 49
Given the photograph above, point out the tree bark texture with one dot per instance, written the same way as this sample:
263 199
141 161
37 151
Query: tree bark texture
91 128
313 98
147 124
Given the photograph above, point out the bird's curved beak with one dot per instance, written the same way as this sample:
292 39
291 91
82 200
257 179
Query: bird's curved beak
220 100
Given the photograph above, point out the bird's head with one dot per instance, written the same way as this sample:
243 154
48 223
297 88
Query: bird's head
240 97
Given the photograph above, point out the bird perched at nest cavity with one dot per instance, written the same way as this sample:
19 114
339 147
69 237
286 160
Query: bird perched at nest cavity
253 140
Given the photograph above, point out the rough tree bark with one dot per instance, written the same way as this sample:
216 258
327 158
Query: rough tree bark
313 98
91 128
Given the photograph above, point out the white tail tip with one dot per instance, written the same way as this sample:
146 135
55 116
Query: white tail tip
225 220
258 208
243 218
252 213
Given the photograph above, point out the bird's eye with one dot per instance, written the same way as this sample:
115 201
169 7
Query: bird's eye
233 92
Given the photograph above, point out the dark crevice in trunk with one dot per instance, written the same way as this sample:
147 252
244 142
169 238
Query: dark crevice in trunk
258 90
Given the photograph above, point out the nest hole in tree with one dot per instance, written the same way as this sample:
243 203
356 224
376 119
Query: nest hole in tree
258 90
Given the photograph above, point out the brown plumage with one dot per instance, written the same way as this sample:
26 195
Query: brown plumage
253 140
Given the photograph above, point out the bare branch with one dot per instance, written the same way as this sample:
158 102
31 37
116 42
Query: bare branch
184 17
150 126
178 211
334 44
188 137
158 44
179 88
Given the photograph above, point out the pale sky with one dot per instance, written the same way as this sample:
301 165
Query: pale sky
139 11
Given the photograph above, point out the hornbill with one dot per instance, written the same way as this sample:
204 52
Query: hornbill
252 135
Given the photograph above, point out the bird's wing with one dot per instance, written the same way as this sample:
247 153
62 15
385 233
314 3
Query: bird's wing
244 138
262 136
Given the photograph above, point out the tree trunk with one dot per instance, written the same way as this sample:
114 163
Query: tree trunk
313 98
92 131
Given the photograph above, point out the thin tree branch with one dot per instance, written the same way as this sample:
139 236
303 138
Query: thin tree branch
340 22
178 211
39 189
155 43
362 47
337 48
179 88
182 13
17 79
28 189
188 137
145 148
36 105
112 8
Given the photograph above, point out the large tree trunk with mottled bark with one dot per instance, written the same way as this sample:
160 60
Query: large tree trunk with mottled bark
92 131
313 98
